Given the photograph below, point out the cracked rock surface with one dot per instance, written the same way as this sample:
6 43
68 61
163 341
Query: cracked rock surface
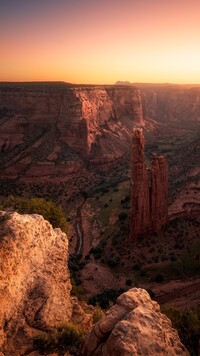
133 326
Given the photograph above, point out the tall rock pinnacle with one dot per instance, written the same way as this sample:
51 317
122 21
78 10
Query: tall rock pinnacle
140 213
149 208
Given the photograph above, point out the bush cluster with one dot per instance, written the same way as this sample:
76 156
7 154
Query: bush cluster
48 209
107 298
188 326
67 337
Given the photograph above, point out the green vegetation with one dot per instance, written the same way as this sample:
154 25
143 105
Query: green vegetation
77 290
107 298
67 337
98 314
51 212
75 265
4 218
188 326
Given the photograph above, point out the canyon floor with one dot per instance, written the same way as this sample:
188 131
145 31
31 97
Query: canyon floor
166 263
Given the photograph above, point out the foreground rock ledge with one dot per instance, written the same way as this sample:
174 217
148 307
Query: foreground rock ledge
34 279
133 326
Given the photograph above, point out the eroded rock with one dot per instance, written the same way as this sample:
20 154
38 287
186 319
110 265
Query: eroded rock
149 189
133 326
34 279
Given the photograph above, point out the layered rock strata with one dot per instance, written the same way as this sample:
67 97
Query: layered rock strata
149 189
79 113
133 326
34 279
52 134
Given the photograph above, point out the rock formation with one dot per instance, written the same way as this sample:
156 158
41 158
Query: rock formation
78 113
173 104
51 134
140 208
149 200
34 279
133 326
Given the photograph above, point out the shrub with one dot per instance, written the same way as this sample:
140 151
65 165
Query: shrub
106 298
4 218
67 337
122 216
51 212
128 282
159 278
151 293
98 314
188 326
113 261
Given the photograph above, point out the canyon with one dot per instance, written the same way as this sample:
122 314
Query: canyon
72 144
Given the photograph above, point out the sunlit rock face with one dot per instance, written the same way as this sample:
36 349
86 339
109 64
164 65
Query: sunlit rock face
149 189
133 326
34 279
79 114
56 139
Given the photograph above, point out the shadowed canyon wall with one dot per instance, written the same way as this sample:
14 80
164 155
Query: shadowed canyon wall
149 189
173 104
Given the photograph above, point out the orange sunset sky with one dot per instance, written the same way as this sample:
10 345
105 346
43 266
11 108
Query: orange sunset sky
100 41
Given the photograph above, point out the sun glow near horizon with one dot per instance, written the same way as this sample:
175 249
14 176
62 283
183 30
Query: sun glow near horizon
100 42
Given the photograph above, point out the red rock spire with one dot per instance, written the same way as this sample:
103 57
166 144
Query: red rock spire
140 213
149 208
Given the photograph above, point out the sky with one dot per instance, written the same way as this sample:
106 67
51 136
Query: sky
100 41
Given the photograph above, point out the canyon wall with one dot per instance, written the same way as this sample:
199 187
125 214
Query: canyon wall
173 104
149 189
55 134
79 113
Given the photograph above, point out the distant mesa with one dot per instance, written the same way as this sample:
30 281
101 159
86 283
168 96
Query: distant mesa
149 189
126 82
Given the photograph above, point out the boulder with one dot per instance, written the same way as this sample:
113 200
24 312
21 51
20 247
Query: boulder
133 326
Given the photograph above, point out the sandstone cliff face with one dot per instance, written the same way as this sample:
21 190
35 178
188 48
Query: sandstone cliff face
149 194
72 109
34 279
173 104
55 134
133 326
